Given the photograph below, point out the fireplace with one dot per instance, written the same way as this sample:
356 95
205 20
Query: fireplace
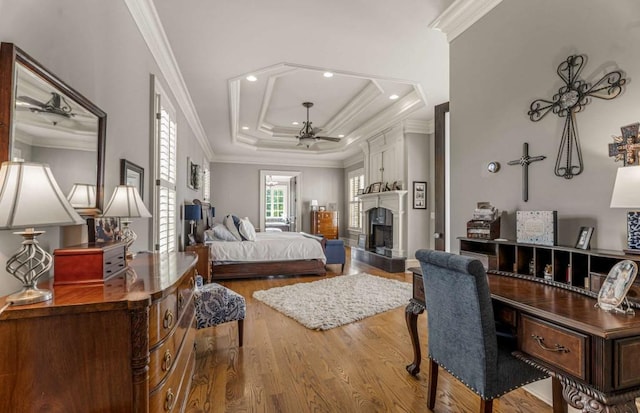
383 215
380 231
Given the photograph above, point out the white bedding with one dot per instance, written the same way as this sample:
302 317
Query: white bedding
268 246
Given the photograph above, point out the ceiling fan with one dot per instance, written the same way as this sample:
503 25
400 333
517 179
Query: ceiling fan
307 135
57 105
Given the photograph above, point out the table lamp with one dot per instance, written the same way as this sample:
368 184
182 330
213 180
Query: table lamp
29 197
626 194
126 203
192 213
82 196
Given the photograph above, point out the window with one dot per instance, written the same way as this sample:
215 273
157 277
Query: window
206 183
276 201
356 183
165 172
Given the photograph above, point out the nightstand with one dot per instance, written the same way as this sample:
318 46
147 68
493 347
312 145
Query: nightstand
204 261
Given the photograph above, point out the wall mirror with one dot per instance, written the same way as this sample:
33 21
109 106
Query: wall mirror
44 120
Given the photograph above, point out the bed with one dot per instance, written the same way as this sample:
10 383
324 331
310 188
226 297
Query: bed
272 253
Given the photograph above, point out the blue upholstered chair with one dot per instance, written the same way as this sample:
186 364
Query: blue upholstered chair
335 253
216 304
462 332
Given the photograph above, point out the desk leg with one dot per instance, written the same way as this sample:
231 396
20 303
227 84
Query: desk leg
587 400
411 316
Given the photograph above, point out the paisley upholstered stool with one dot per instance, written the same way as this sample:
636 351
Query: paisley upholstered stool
216 304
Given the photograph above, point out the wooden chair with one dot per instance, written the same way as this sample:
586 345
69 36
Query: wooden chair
462 333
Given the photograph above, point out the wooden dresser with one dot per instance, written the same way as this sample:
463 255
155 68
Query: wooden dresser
125 346
325 223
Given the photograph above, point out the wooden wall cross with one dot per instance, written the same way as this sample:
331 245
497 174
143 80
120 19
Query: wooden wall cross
571 99
524 161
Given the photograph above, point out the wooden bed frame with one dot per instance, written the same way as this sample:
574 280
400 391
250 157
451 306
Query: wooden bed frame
227 270
264 269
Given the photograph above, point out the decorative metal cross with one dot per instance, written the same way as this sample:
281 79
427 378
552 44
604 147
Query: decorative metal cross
571 99
625 148
524 161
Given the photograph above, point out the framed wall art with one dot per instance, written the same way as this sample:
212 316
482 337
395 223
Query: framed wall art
132 175
419 195
193 174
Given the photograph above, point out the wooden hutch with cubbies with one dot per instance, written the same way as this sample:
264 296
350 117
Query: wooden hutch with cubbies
572 268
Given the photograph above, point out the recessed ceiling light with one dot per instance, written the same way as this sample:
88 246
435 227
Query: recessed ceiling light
252 78
245 128
340 136
394 97
327 74
295 123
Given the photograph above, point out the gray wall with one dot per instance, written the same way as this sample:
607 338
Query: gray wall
96 47
236 190
418 222
503 63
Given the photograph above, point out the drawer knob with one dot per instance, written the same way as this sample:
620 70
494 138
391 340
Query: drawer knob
169 400
557 348
168 319
166 360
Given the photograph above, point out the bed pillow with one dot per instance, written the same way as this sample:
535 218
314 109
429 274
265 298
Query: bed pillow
221 233
229 223
247 230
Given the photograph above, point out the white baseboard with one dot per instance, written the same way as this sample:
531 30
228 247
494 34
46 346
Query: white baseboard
411 263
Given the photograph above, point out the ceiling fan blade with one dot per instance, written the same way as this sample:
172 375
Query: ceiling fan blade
327 138
31 101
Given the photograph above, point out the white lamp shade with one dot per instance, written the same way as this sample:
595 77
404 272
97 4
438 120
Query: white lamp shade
82 196
126 203
31 197
626 190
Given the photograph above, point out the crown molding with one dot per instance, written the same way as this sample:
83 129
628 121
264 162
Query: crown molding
352 160
354 107
146 18
461 15
282 161
418 126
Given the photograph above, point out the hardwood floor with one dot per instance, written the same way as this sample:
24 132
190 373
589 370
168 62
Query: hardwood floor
283 367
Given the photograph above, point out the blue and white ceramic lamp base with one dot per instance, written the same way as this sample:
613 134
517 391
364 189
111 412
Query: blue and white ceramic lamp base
633 233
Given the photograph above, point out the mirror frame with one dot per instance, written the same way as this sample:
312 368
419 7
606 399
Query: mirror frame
10 55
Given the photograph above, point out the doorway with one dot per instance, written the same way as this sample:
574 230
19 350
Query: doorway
280 209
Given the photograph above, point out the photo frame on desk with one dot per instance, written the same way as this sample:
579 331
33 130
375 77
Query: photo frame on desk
132 175
613 293
419 195
584 238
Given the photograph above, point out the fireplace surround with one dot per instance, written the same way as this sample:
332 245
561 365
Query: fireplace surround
383 217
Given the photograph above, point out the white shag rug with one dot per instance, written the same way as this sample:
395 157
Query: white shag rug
325 304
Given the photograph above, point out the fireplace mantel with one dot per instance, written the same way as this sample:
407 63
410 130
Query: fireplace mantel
394 201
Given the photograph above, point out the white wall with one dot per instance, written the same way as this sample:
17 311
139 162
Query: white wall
418 169
95 47
235 189
503 63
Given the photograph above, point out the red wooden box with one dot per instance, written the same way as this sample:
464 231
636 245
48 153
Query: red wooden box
90 263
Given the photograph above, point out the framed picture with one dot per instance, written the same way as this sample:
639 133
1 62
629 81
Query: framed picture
615 286
193 175
133 175
419 195
537 227
375 187
584 238
107 229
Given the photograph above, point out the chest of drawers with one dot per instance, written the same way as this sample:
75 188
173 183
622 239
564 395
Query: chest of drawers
325 223
88 263
124 346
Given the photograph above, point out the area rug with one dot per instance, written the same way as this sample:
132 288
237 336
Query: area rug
325 304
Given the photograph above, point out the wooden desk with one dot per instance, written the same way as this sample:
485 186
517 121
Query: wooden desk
125 346
594 354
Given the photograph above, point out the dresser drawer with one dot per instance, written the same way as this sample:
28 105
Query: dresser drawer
563 348
185 291
163 316
171 395
163 356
